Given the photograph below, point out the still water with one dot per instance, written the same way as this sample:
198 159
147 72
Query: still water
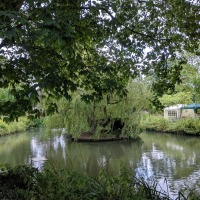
173 161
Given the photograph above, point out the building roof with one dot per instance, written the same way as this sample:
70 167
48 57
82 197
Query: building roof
192 106
175 107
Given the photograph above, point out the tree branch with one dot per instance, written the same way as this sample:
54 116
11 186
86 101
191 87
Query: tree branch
110 14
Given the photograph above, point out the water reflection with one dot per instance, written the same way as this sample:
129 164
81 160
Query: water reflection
15 149
171 160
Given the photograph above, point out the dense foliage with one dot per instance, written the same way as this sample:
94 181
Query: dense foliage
184 126
24 182
188 90
20 126
112 116
53 48
13 127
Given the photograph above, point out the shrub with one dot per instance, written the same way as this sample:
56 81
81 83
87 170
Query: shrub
24 182
156 123
13 127
181 126
34 123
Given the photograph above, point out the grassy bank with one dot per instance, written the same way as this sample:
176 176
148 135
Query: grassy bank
25 182
181 126
15 127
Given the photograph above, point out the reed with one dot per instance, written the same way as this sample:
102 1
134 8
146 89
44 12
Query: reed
25 182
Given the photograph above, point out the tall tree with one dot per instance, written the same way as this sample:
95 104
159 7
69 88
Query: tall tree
58 46
188 91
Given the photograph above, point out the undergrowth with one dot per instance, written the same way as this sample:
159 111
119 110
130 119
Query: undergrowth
25 182
188 126
19 126
13 127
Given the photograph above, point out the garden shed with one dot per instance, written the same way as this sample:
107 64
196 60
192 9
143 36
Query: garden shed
173 112
190 111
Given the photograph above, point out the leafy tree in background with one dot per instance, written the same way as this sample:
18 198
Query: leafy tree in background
188 90
177 98
57 47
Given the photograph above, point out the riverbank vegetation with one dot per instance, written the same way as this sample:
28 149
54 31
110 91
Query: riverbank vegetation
13 127
24 182
19 126
157 123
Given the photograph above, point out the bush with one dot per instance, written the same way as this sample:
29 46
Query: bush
180 126
3 128
187 125
13 127
156 123
24 182
34 123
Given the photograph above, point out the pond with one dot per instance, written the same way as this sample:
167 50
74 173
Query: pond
172 160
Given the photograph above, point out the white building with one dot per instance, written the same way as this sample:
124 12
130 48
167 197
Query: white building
173 112
182 111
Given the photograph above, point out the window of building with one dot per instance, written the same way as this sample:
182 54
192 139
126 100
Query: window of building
172 114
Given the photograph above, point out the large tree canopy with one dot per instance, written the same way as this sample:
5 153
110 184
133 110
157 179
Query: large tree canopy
58 47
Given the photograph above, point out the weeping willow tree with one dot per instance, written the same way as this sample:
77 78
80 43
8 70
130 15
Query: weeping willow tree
113 115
